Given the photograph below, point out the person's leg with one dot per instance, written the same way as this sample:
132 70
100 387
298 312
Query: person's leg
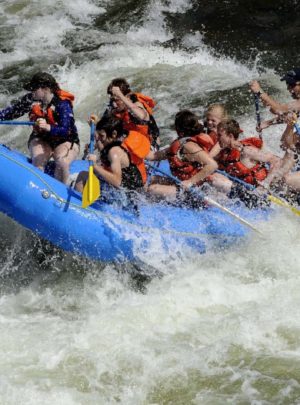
40 153
220 182
163 187
163 191
64 154
81 180
293 180
280 169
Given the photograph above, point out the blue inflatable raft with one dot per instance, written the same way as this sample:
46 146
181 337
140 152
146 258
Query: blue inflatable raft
105 231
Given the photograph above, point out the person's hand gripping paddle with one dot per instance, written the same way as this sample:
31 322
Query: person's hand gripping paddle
91 190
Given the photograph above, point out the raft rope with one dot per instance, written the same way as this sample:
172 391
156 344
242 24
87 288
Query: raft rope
141 228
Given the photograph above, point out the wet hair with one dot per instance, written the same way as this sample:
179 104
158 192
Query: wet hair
212 108
188 123
121 83
231 127
109 126
43 80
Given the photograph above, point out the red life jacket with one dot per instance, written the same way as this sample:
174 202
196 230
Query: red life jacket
213 136
229 160
37 111
183 169
131 123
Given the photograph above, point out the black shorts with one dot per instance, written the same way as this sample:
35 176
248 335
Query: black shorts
52 142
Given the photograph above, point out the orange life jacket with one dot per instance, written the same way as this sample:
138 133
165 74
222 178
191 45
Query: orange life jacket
138 146
37 111
147 102
131 123
183 169
230 161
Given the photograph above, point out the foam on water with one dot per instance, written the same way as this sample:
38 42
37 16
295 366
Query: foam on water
38 31
211 327
154 26
173 77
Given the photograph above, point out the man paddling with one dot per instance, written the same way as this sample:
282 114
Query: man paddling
242 159
135 110
287 174
292 79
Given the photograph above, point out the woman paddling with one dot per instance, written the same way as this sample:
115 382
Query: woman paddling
120 163
189 159
54 133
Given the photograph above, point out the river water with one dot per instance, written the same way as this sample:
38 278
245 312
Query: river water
217 328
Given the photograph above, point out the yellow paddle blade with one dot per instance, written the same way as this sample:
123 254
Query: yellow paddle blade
283 204
91 190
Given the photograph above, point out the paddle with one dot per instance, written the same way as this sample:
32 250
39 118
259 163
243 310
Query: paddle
270 197
258 119
17 123
206 199
91 190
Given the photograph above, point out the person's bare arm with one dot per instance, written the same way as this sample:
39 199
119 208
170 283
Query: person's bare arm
278 167
159 154
289 138
137 109
268 101
278 171
216 149
288 142
258 155
114 175
194 153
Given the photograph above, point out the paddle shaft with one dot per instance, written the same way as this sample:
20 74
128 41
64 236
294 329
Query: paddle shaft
91 163
236 180
271 197
91 189
17 122
258 119
206 199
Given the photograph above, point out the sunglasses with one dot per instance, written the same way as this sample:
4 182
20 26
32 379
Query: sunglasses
291 73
